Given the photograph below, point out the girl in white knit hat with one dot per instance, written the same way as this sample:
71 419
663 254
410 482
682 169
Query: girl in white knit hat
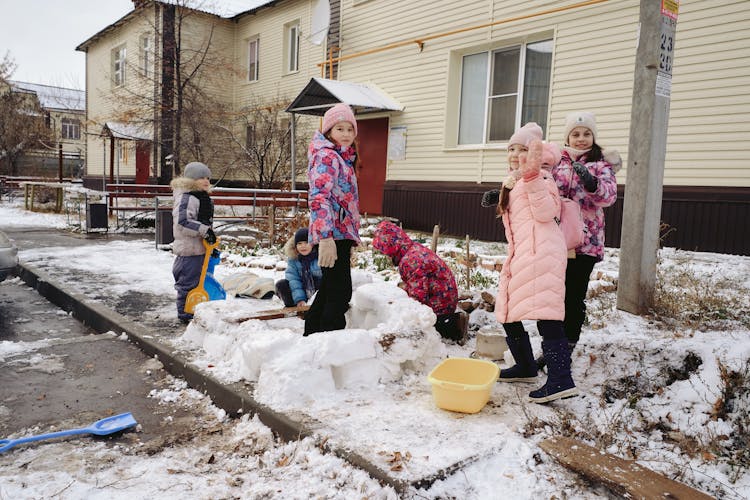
585 174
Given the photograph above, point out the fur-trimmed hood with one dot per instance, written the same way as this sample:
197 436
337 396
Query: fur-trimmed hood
181 185
290 248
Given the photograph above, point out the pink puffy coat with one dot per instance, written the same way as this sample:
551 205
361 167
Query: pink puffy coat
532 281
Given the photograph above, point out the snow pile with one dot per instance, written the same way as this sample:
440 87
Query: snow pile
388 334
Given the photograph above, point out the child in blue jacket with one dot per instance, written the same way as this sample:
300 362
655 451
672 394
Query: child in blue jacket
303 274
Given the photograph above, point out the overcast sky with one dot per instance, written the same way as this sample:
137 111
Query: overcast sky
42 36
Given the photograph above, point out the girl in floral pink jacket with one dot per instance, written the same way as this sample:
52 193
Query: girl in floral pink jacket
585 174
334 216
532 280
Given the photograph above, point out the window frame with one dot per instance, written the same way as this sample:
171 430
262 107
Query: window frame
253 76
521 48
70 129
250 138
119 57
291 47
146 49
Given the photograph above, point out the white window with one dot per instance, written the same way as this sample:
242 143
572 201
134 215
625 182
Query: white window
147 56
118 66
122 150
71 129
502 90
252 60
291 45
250 137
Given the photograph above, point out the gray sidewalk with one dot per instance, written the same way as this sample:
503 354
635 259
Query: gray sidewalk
150 337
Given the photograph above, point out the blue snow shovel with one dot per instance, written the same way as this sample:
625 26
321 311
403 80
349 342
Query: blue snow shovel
213 288
207 284
102 427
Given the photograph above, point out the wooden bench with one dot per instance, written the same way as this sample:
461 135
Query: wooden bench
10 184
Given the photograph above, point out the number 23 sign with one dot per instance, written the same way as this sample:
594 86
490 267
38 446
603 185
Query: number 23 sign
669 10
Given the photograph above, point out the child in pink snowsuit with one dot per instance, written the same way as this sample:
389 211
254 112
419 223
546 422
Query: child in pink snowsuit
425 277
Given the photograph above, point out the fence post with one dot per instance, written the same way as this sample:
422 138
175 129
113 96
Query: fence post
468 263
271 224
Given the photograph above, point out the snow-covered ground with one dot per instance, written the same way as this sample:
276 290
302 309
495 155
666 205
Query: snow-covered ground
671 391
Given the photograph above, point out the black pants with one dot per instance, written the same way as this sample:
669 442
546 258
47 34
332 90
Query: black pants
284 291
447 326
549 329
332 301
577 276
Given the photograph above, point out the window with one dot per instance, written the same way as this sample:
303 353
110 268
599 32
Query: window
503 89
71 129
118 66
250 137
122 150
147 59
291 45
252 60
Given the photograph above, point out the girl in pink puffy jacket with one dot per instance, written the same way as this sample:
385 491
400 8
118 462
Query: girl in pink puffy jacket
532 280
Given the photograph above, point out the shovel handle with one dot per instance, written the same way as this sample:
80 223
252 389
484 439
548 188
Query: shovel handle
6 444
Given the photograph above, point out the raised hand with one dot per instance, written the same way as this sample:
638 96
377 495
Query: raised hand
531 161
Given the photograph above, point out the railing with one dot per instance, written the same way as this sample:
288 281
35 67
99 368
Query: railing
261 203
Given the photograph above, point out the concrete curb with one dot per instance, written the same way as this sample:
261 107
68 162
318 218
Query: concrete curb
232 398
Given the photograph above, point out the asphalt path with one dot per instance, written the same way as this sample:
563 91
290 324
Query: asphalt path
57 373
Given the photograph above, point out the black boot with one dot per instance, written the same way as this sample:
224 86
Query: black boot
525 368
541 362
559 380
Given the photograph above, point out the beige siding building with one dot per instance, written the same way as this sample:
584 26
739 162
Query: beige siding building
592 52
64 112
460 77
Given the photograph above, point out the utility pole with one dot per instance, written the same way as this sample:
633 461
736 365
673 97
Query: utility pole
652 89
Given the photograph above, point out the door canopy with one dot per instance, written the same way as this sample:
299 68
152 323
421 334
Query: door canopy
320 94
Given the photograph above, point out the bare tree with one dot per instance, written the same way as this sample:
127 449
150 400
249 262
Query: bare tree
172 99
261 134
22 123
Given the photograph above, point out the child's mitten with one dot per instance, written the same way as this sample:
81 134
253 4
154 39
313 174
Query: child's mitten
327 252
490 197
531 162
590 183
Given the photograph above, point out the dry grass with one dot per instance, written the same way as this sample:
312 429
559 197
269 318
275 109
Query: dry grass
693 299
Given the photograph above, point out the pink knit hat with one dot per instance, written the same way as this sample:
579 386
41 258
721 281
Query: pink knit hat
339 113
551 154
526 134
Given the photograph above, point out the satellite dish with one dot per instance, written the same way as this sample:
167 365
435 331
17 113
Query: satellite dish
321 19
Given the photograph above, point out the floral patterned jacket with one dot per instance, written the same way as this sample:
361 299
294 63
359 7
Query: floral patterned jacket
426 277
592 204
332 194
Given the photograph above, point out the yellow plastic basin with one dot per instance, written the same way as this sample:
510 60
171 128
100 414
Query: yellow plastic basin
463 384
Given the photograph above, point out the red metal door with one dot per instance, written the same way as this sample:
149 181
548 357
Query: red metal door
142 161
372 147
